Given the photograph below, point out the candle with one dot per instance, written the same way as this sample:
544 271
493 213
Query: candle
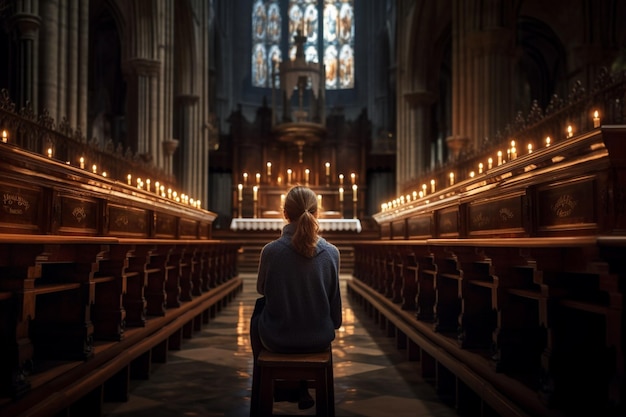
258 178
596 119
104 173
424 189
548 141
341 194
432 186
499 158
513 150
169 193
530 148
162 191
5 136
472 174
245 179
480 168
269 169
82 163
279 180
157 187
94 168
282 201
489 163
327 164
354 192
129 179
148 184
49 152
340 179
570 131
289 176
452 178
415 194
240 192
319 203
306 176
353 177
255 193
421 194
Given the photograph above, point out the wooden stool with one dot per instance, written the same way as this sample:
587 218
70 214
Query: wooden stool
316 367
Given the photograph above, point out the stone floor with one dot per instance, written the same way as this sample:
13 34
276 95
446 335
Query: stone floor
211 374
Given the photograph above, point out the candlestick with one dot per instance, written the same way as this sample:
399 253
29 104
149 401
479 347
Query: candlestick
432 186
354 192
340 179
255 193
157 187
148 184
489 163
245 179
596 119
269 169
353 177
258 178
424 189
240 192
319 203
306 176
289 176
327 164
340 194
129 179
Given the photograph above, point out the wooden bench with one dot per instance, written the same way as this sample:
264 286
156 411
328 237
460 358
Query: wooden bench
271 367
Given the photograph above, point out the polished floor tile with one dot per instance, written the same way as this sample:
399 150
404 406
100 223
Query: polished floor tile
211 374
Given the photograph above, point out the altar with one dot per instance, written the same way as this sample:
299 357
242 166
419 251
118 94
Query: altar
269 224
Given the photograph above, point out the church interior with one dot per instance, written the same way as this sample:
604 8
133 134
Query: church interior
469 160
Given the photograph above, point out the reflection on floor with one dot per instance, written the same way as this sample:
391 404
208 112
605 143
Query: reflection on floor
211 374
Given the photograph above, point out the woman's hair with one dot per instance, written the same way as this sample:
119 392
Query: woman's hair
301 209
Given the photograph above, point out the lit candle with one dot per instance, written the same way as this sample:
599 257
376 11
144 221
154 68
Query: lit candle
104 173
148 184
472 174
163 191
245 179
319 203
452 178
596 119
570 131
424 188
489 163
548 140
258 178
530 148
49 152
289 176
5 136
82 163
354 192
157 187
432 186
421 194
340 193
169 193
279 180
129 179
353 176
480 168
269 169
340 179
414 195
94 168
306 176
255 193
240 192
327 164
499 158
513 150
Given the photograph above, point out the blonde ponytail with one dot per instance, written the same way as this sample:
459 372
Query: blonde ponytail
301 209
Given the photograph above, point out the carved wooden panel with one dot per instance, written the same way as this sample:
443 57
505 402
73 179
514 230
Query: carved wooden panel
398 229
166 226
495 216
20 208
448 222
567 205
188 229
205 230
75 215
385 231
420 227
128 221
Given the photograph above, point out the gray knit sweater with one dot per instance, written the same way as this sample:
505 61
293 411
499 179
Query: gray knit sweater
303 303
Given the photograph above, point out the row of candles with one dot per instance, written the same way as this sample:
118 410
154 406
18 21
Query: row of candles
157 187
256 189
291 176
511 154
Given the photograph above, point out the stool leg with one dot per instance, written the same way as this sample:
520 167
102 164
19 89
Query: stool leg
266 392
254 394
321 393
330 387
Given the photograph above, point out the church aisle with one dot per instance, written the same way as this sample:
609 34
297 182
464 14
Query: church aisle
211 374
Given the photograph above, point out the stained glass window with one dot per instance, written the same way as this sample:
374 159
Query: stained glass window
327 24
266 31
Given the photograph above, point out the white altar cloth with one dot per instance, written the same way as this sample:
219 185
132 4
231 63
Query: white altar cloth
332 225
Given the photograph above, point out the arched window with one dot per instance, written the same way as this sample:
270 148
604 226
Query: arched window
328 26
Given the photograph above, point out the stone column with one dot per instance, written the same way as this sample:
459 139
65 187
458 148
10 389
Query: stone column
419 118
142 81
26 24
192 149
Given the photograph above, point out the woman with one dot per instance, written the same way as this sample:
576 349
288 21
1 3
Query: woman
299 280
